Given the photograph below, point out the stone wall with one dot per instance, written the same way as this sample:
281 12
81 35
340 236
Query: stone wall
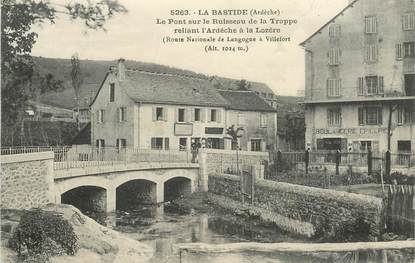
27 180
333 214
224 161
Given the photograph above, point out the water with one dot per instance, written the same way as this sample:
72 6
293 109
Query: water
162 227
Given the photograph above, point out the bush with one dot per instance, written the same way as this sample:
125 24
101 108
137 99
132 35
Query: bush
42 234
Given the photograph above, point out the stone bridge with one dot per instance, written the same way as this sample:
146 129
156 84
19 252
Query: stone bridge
29 180
110 187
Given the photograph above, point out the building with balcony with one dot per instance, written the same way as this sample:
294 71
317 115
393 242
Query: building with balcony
143 109
360 75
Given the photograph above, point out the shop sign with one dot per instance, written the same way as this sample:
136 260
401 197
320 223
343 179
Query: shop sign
347 131
183 129
213 130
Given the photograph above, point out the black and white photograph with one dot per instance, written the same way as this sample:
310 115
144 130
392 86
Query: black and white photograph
182 131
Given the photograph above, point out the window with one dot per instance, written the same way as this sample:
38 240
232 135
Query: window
399 51
408 21
122 114
409 49
370 85
197 115
241 119
181 115
213 115
159 114
100 143
370 116
262 120
334 30
215 143
121 143
371 53
333 88
365 145
405 116
182 144
370 25
100 116
334 56
157 143
334 117
256 145
112 92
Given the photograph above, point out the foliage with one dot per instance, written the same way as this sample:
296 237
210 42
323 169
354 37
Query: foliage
243 84
40 133
42 234
232 132
399 178
17 39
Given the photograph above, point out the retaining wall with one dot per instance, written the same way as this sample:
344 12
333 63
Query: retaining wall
333 214
218 161
27 180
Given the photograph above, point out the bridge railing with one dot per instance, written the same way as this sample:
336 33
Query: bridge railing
66 157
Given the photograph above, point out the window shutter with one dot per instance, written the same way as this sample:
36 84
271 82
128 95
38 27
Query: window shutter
166 143
97 116
380 85
119 114
361 86
192 114
362 116
153 143
202 115
380 121
209 115
102 116
221 143
154 113
218 115
165 114
176 115
400 116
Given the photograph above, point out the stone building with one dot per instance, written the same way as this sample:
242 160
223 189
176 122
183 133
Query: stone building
360 65
152 110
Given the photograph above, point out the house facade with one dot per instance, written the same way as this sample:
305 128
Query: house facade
152 110
360 70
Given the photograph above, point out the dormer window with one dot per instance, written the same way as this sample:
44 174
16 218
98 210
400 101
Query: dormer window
112 92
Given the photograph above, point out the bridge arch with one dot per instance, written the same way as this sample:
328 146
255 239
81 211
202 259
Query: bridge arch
176 187
135 192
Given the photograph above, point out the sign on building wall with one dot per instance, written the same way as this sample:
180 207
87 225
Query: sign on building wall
214 130
347 131
183 129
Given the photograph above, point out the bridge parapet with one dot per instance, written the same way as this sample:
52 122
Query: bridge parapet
120 167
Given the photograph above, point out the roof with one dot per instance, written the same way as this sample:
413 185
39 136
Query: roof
245 101
331 20
163 88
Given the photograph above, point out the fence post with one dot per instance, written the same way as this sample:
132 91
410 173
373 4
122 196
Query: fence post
388 163
338 159
369 162
279 160
307 160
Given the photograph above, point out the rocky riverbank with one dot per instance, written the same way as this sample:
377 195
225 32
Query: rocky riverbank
96 242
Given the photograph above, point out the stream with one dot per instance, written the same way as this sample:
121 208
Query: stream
163 226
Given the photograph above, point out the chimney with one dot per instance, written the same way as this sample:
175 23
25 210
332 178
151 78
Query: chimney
121 69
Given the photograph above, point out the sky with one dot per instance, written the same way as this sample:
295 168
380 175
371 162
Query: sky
136 36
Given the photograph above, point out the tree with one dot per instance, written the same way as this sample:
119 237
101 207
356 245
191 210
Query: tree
18 76
232 132
243 84
76 78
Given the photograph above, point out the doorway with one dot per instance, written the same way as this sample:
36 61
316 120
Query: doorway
409 84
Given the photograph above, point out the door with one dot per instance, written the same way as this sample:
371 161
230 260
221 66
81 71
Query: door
410 84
